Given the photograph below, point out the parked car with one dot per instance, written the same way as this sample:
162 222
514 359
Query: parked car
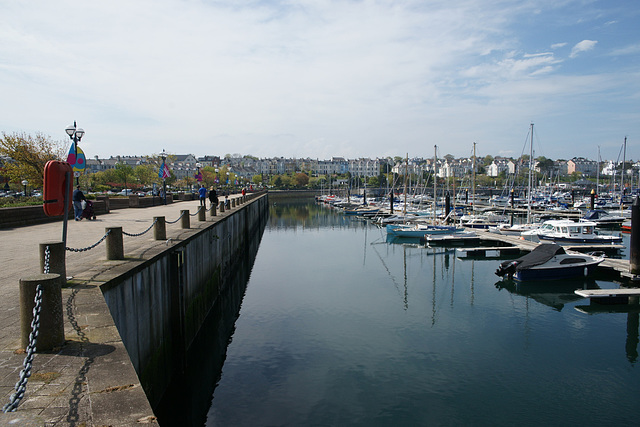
125 192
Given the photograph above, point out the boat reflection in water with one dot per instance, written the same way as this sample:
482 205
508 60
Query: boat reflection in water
551 294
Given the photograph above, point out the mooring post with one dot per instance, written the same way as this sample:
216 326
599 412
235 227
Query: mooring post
213 209
391 201
51 329
184 219
115 244
202 214
593 199
634 243
233 203
513 206
160 228
447 206
221 207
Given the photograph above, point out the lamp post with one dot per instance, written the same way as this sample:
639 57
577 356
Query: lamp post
25 182
198 176
76 134
163 155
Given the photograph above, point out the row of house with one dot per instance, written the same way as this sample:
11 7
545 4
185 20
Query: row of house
186 165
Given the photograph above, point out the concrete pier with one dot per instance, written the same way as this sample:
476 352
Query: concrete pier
90 380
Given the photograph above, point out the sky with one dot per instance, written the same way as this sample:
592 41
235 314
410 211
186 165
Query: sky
325 78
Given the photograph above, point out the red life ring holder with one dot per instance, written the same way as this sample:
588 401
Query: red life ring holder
54 187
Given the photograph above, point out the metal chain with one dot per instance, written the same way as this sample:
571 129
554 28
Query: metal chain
90 247
25 373
140 234
47 255
173 222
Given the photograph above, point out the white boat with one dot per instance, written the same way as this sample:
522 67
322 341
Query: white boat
549 262
514 230
420 230
565 231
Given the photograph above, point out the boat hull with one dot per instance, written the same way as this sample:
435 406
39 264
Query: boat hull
609 240
542 273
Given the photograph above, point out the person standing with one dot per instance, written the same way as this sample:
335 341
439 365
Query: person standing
78 197
213 197
202 192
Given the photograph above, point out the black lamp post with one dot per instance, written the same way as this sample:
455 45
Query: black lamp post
76 134
163 155
25 182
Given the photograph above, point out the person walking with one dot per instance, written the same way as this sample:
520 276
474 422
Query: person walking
202 192
78 197
213 197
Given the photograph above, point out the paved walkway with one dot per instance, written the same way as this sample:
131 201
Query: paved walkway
90 380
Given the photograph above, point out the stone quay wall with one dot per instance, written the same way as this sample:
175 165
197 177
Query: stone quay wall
160 305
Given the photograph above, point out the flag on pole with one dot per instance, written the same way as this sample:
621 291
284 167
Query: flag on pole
164 171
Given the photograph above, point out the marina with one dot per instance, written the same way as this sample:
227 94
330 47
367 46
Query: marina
363 331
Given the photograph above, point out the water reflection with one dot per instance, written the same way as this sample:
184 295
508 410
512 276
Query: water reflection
554 294
339 327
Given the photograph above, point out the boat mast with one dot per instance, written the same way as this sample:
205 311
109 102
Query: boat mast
406 172
598 173
624 159
473 184
435 181
529 198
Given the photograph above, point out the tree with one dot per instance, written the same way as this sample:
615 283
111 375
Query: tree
29 154
301 179
122 172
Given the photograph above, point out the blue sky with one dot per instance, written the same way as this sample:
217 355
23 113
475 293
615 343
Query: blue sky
325 78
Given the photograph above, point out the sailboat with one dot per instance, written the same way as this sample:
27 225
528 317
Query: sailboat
422 229
518 229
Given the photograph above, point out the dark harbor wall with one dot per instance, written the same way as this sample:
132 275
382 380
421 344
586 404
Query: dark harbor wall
160 306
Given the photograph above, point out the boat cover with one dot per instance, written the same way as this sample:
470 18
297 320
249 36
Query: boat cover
595 214
539 255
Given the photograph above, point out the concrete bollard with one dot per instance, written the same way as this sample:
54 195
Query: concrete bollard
160 229
51 330
213 210
201 214
233 203
115 244
57 259
221 207
184 219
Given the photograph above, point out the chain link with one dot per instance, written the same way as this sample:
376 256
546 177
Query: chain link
173 222
89 247
140 234
25 373
47 256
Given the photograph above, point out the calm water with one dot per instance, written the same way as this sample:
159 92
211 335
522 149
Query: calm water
340 328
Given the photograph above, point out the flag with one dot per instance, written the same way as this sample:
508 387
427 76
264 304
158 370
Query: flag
76 158
164 171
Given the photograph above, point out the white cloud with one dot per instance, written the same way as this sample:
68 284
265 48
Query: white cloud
309 78
583 46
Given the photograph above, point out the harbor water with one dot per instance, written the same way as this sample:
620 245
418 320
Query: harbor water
338 327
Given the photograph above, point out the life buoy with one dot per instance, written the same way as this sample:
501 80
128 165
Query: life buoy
54 187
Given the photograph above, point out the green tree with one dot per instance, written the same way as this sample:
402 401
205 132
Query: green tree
29 155
123 172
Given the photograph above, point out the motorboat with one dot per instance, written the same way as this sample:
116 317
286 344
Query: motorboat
603 218
549 261
420 230
566 231
513 230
